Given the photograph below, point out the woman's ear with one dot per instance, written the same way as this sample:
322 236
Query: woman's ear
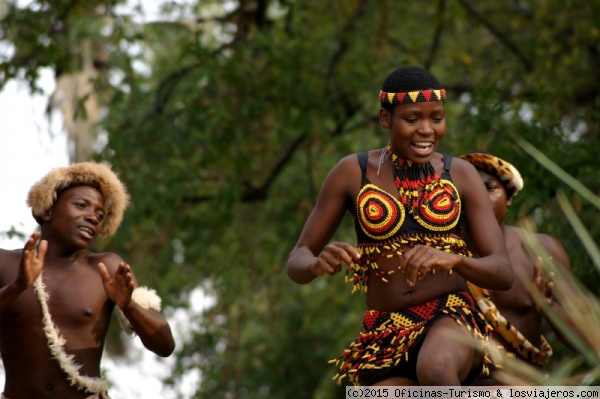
384 118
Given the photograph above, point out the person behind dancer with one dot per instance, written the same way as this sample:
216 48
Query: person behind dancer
513 314
411 260
57 297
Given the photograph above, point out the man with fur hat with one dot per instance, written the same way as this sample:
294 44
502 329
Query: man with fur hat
513 314
57 297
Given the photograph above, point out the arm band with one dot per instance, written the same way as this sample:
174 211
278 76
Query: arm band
146 298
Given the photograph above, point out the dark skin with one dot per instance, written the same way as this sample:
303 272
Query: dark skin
516 304
415 131
83 287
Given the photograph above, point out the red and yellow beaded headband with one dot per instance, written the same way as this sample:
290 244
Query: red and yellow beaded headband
417 96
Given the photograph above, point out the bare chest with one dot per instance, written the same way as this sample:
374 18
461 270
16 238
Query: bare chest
75 298
518 298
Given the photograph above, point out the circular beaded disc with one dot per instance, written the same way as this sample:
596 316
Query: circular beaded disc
439 207
380 214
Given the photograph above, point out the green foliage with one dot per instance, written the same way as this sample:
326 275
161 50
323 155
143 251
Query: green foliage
225 119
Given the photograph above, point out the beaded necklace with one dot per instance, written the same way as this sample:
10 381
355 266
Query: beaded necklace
409 177
433 202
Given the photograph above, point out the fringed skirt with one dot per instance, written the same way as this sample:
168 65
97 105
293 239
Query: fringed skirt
392 339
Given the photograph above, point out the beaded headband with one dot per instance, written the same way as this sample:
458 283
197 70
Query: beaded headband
417 96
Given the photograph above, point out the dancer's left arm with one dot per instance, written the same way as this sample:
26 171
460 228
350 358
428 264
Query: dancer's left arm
148 323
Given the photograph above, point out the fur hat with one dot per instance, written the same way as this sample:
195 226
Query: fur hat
507 173
44 193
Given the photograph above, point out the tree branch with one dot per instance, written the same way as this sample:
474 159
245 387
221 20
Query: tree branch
503 38
260 193
252 194
435 43
343 44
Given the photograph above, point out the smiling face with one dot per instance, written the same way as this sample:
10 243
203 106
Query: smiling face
77 214
415 129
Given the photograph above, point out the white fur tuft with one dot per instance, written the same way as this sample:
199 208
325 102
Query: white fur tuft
146 298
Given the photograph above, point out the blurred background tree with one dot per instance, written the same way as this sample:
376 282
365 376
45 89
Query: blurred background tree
223 118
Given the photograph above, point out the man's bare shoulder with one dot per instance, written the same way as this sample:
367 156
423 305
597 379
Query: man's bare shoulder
555 249
9 263
110 259
524 234
516 231
516 239
547 242
8 256
10 251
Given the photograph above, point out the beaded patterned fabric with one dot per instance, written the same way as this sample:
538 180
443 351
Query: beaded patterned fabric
416 96
434 202
388 337
427 212
358 272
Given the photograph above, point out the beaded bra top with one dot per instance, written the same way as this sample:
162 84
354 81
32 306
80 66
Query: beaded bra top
427 212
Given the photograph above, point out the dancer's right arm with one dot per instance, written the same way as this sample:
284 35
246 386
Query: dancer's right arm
31 263
313 254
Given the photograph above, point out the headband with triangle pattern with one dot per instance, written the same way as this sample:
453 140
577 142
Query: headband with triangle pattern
417 96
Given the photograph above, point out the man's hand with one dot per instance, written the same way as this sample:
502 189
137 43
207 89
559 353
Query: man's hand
32 261
120 287
543 286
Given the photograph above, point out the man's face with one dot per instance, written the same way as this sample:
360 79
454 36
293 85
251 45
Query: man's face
497 194
78 213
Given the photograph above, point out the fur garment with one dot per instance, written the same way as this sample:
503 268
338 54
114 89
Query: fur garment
507 173
44 193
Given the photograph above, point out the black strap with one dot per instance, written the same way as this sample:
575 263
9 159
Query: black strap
447 159
363 157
